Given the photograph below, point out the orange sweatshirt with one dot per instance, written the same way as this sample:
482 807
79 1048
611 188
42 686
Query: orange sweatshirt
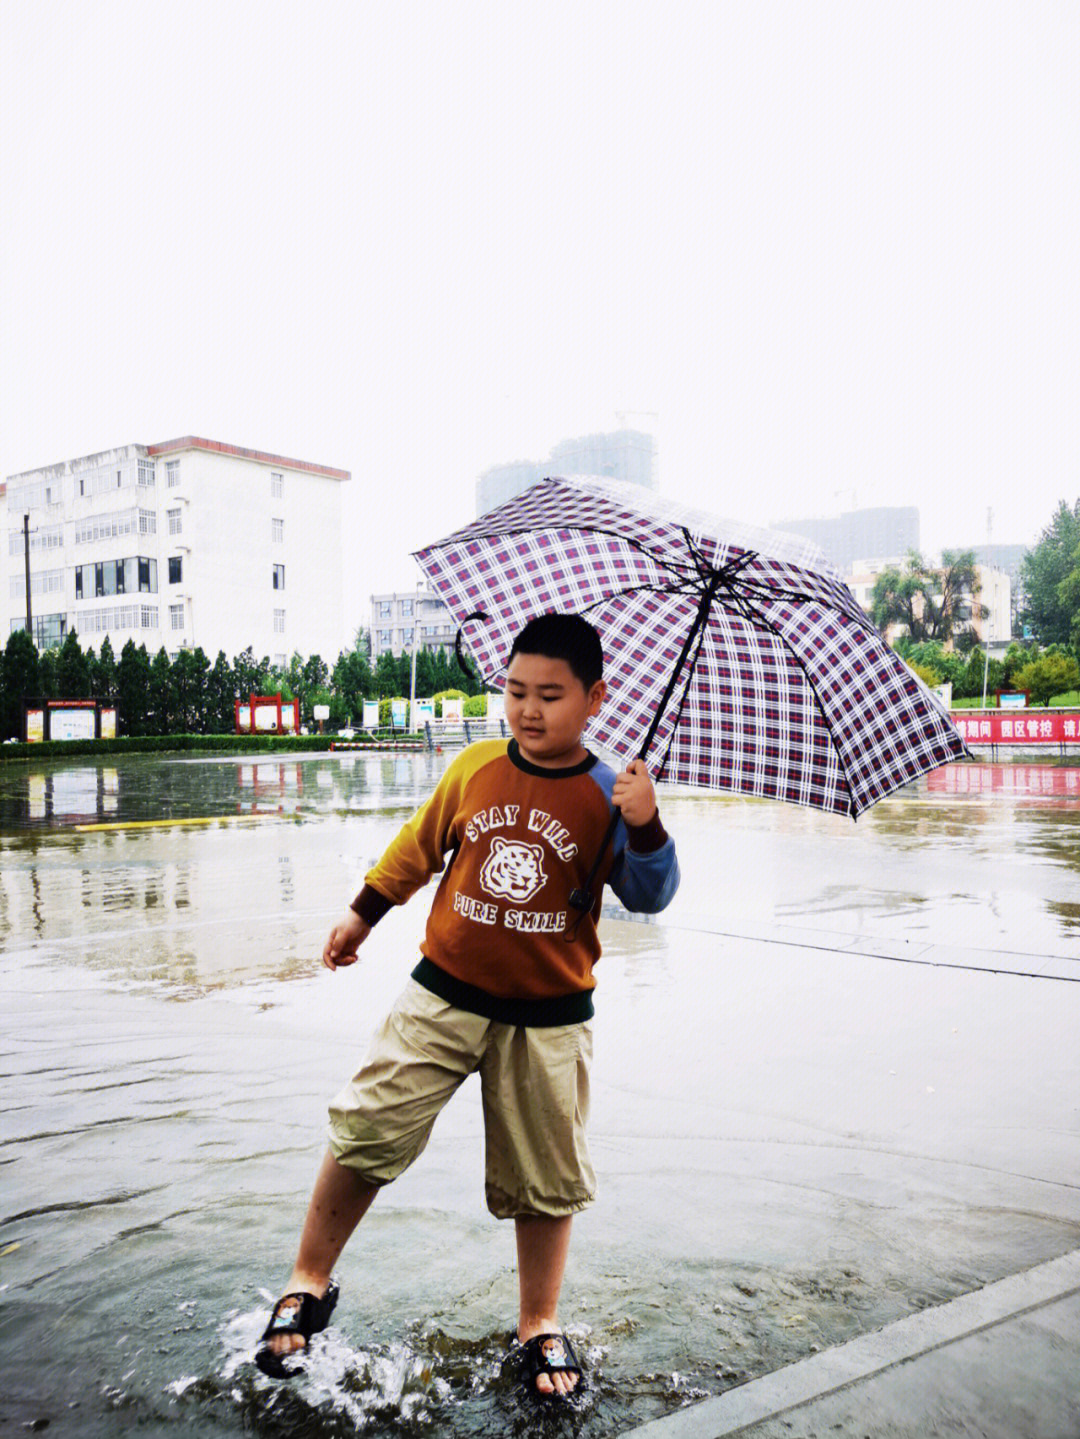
520 838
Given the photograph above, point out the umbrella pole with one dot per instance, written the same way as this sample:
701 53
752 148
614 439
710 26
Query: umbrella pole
582 899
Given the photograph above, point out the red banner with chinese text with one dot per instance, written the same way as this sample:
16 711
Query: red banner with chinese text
1018 726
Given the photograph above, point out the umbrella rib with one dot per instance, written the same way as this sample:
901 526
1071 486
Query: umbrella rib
686 586
748 610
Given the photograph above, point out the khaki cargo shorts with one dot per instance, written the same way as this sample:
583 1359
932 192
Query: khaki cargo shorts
534 1084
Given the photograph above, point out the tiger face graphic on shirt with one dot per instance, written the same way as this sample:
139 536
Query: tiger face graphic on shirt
513 870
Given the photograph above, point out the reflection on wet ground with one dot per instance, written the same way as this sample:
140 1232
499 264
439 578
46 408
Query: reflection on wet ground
794 1144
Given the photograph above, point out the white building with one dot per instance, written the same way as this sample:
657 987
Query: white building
395 618
183 544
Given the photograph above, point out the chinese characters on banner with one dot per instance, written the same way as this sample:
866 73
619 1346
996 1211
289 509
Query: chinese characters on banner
1003 727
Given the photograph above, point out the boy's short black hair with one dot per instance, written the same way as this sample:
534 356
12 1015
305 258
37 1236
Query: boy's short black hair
564 637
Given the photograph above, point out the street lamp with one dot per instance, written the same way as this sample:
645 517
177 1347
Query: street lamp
415 638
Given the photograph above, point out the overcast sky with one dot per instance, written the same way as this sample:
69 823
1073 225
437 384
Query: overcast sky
833 247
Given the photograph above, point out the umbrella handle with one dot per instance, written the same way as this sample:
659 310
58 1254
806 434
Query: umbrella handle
582 899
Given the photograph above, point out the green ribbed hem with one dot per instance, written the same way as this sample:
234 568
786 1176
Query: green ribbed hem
530 1013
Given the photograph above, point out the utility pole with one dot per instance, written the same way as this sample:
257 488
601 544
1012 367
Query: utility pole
420 584
26 557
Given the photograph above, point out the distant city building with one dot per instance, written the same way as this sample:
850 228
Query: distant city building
860 534
1010 559
182 544
396 619
621 455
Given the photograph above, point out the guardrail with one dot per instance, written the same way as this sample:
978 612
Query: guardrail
442 735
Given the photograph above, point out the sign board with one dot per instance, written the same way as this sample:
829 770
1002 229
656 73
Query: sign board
453 710
496 707
425 710
1011 701
108 722
399 713
1000 727
35 726
321 712
370 718
72 723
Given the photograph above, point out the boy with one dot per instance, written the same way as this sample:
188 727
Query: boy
504 987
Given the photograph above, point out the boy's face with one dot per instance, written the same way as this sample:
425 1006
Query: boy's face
546 709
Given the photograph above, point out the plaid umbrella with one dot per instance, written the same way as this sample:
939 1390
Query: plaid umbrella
735 658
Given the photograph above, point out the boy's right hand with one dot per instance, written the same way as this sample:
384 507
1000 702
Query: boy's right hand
346 937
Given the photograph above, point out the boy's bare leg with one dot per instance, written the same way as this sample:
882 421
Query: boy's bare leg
339 1201
542 1247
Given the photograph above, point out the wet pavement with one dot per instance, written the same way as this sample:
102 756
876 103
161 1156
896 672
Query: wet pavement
816 1108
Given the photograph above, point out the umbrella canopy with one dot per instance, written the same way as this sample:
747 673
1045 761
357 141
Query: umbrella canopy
735 658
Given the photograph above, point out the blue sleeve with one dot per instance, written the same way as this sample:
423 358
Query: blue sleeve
644 883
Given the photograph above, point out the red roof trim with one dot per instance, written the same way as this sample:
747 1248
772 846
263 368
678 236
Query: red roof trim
192 442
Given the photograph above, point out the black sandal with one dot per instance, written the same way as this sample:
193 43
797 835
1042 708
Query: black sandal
301 1314
550 1354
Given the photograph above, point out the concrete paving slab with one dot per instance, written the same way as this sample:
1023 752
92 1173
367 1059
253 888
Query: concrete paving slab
1000 1363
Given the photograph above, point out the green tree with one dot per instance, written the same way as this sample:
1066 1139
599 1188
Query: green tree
221 697
1048 676
47 673
188 692
1069 595
387 681
971 686
160 716
104 676
22 680
249 674
72 670
933 603
133 689
426 678
353 681
1050 606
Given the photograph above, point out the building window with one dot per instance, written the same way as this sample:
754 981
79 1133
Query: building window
279 622
45 537
279 662
386 609
176 617
172 473
49 630
406 637
279 577
45 582
146 473
278 531
406 609
148 522
277 485
384 638
175 524
147 575
148 617
119 478
176 569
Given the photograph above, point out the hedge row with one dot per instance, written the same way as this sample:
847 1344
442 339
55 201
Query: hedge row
167 744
